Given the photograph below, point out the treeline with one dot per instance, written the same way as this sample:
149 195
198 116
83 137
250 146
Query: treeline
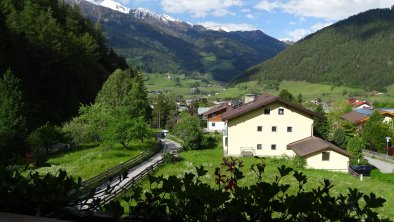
355 52
60 57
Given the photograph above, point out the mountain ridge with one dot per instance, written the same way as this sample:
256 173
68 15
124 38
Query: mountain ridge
352 52
159 45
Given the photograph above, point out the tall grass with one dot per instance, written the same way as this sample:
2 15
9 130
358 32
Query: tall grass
91 159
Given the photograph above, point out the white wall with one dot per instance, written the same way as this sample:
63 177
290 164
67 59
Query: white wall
337 162
219 126
243 134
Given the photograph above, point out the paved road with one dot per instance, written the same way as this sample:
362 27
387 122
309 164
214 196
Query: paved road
168 146
383 166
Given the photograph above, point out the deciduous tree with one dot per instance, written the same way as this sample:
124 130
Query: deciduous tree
190 131
375 132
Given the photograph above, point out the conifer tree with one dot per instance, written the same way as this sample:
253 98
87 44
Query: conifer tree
12 119
320 124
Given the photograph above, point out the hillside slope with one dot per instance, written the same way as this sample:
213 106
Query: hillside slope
159 43
358 52
60 57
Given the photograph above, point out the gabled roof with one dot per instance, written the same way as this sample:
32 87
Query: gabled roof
312 145
354 117
359 103
261 101
217 108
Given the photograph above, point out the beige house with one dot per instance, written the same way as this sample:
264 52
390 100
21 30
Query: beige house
268 125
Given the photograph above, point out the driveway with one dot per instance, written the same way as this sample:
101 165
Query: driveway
383 166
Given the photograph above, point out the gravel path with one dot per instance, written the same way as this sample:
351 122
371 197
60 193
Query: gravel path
383 166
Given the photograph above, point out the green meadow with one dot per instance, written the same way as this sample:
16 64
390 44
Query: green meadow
91 159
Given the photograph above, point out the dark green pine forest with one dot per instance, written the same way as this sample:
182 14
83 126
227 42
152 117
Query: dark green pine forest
60 58
358 52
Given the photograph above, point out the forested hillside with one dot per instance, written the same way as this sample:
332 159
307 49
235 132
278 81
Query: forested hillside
358 52
60 57
160 46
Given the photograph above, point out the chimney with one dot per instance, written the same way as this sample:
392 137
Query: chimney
249 98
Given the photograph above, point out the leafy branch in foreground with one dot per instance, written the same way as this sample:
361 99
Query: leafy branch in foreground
190 199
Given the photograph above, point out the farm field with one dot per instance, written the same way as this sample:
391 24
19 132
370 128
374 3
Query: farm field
212 158
92 159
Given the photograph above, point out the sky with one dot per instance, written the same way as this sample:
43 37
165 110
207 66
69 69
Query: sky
281 19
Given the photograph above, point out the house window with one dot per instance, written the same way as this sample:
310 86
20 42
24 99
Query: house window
281 111
213 124
267 111
259 146
259 128
289 129
226 141
325 156
274 129
273 146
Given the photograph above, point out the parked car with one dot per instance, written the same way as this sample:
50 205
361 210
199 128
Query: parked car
365 170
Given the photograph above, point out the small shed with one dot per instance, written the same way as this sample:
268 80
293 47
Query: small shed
321 154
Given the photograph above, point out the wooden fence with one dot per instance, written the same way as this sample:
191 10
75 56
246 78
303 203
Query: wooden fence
353 173
127 185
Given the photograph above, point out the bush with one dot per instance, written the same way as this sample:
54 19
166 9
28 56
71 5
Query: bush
298 162
43 139
32 194
190 199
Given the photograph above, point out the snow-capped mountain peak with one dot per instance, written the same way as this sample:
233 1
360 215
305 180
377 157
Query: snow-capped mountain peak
142 13
218 28
110 4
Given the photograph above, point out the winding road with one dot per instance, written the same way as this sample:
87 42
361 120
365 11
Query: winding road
383 166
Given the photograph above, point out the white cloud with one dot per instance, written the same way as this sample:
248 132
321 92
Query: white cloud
246 10
249 16
297 34
228 26
200 8
328 9
267 5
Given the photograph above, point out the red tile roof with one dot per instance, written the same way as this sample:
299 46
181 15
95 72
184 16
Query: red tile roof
312 145
261 101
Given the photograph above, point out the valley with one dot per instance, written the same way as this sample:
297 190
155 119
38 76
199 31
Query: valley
199 86
121 113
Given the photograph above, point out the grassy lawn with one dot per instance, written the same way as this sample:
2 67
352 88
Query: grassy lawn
212 158
92 159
